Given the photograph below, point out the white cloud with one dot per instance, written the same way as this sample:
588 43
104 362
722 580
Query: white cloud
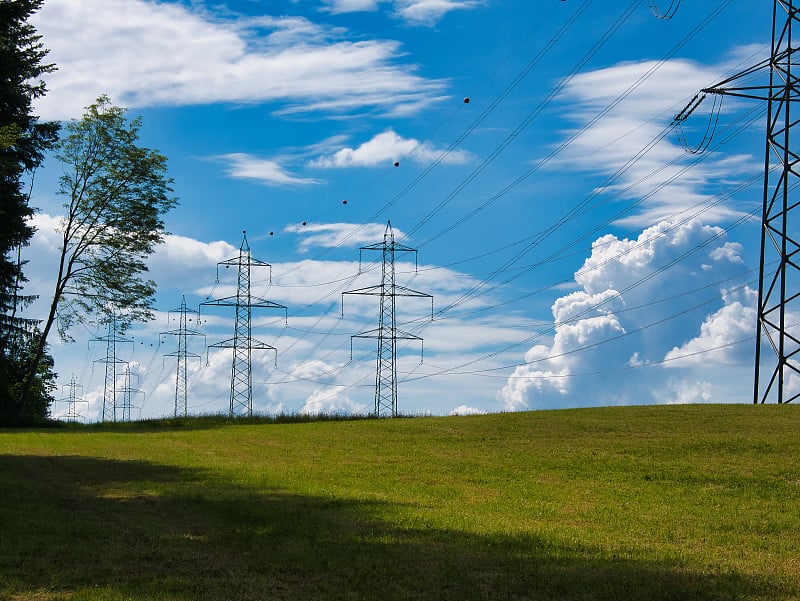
641 98
386 148
467 410
351 6
331 401
719 332
315 372
629 312
331 235
429 12
684 392
153 54
245 166
415 12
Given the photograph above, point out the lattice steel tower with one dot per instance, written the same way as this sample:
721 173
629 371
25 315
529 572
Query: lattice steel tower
72 400
242 343
111 362
387 332
183 333
128 392
779 266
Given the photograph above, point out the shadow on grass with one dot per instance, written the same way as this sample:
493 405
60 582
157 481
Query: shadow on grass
80 528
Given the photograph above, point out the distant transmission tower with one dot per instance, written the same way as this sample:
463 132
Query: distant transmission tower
182 354
111 362
72 400
243 343
128 392
387 332
779 266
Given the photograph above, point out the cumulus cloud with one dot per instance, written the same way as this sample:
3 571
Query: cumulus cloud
388 147
331 401
245 166
720 332
154 54
630 311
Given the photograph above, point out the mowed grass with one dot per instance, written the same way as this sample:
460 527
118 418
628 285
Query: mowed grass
650 503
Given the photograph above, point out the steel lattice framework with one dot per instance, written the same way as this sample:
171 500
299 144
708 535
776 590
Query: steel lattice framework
776 376
111 361
243 343
779 288
182 354
128 392
387 332
72 400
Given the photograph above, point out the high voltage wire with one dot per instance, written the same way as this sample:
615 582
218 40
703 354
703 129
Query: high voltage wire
720 199
424 173
595 48
539 164
618 23
529 117
552 41
485 287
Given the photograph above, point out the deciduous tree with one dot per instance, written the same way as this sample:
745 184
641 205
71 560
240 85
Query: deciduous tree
116 193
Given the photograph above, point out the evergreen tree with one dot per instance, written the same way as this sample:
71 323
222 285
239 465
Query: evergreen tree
23 143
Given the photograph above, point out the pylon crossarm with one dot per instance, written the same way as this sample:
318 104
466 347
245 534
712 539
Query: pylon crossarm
408 292
262 303
226 301
395 246
401 335
255 345
373 290
741 92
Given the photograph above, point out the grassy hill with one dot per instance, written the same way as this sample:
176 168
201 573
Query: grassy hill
650 503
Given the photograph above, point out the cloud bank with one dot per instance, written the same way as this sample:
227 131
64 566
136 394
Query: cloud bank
164 54
636 301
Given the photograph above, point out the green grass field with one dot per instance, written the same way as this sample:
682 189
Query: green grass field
650 503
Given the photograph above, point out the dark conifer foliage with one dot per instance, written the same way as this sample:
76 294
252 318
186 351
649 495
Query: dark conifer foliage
24 140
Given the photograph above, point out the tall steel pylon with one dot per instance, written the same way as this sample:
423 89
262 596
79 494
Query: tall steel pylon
111 362
72 400
243 343
779 269
128 391
387 332
183 333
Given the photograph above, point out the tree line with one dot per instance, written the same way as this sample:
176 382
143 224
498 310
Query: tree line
115 194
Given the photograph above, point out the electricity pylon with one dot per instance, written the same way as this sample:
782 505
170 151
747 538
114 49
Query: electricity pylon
387 332
128 392
243 343
182 354
111 362
72 400
779 266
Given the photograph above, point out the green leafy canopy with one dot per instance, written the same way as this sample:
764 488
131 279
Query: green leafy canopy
117 193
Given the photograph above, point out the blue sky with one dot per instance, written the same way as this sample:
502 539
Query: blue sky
576 253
